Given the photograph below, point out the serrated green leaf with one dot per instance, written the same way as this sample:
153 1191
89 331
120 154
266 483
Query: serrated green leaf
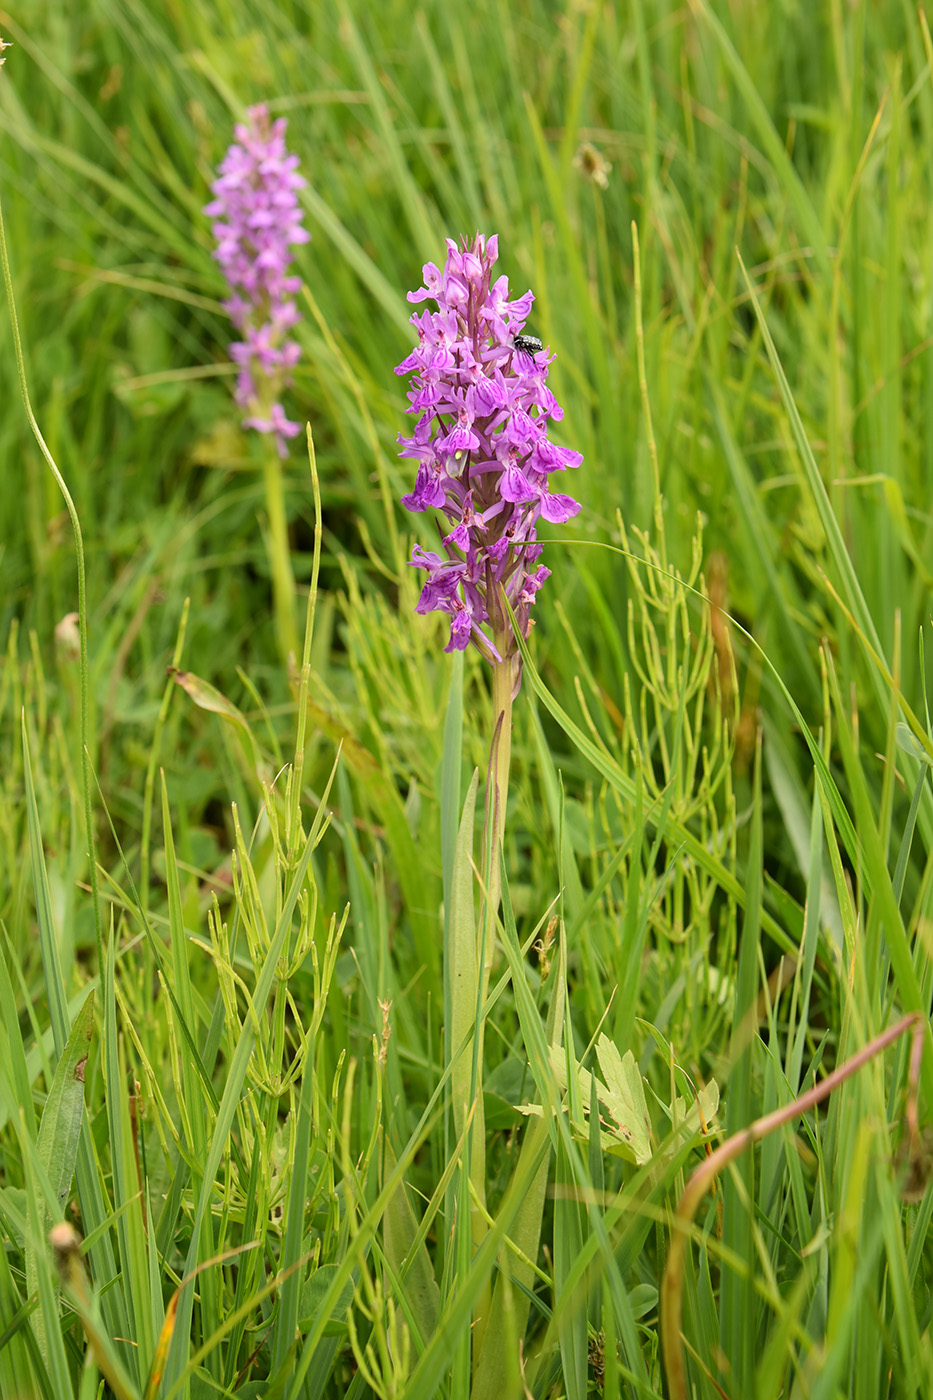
624 1098
628 1135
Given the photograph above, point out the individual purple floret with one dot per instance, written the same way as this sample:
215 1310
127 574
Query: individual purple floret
258 220
482 448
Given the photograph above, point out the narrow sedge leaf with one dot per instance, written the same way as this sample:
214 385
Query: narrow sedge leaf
236 1075
13 1053
131 1229
771 140
803 977
160 1355
66 1243
51 962
15 1361
596 1174
286 1327
654 816
194 1101
195 1114
738 1314
546 1082
516 1280
570 1298
46 1322
896 940
56 1152
125 1186
852 590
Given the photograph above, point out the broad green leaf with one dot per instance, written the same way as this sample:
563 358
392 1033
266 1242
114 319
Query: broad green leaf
908 744
313 1294
60 1125
410 1260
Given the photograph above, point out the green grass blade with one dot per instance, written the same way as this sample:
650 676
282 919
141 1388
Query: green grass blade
57 1150
46 1321
129 1203
177 1361
737 1317
673 829
852 592
771 142
12 1050
512 1296
286 1325
571 1303
94 1208
408 1256
54 979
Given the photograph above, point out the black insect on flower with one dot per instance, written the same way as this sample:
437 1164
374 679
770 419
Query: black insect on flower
528 345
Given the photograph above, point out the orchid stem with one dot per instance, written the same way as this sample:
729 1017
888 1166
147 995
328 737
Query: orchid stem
499 778
277 546
496 801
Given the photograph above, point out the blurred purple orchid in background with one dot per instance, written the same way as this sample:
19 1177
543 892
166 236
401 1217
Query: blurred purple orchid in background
482 448
258 220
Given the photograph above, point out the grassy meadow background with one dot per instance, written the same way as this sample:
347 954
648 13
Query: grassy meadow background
720 827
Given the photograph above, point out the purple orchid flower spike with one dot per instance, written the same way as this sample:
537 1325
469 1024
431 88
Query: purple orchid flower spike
484 457
484 462
258 219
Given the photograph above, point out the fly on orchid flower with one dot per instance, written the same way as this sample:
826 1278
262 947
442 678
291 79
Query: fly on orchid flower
528 345
484 454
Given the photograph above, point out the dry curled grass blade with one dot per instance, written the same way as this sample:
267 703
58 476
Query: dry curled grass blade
673 1282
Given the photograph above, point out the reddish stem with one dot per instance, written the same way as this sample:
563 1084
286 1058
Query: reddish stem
672 1285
